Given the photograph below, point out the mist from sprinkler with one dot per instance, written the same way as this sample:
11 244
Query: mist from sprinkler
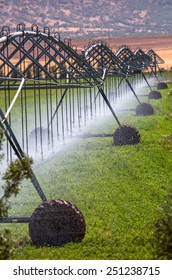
50 145
82 126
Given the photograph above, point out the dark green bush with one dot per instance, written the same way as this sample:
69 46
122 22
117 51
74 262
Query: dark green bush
15 173
6 245
163 234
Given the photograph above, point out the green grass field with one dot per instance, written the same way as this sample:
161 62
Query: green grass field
120 190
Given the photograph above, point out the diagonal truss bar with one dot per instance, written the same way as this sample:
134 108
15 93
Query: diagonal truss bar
126 57
93 53
81 64
65 59
15 44
25 56
154 57
135 60
100 54
4 58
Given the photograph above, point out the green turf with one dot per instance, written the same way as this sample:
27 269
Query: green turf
118 189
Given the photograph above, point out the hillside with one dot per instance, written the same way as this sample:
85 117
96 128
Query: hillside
90 18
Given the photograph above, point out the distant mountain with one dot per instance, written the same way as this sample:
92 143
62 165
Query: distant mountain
90 18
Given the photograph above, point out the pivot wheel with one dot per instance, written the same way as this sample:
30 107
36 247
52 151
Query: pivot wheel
144 109
154 95
126 135
162 85
56 223
39 134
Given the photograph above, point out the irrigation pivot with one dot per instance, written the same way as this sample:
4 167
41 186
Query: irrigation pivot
155 61
148 63
53 100
57 221
48 90
137 62
100 55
